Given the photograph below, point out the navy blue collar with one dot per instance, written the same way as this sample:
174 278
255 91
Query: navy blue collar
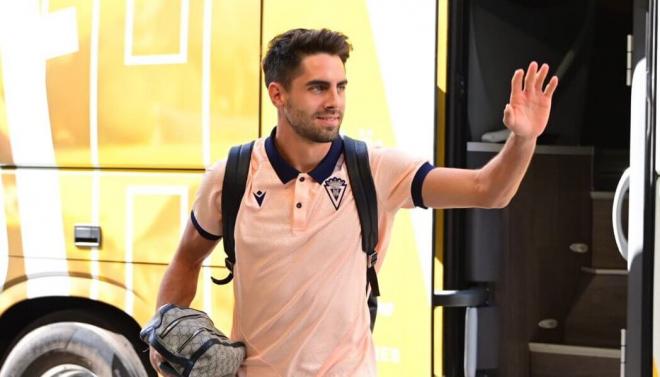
287 172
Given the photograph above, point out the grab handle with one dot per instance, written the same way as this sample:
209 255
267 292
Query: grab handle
617 205
469 299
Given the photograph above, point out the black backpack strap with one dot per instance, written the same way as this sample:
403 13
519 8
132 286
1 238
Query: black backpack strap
233 188
364 192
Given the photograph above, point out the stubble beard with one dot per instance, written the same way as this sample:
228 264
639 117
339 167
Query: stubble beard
303 125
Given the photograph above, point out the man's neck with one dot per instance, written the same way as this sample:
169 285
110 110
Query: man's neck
300 153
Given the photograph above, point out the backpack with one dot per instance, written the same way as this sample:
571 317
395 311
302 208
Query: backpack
364 193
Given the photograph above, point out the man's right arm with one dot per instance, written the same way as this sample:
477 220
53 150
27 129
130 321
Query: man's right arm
179 283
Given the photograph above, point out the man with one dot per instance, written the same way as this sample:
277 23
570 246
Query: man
299 279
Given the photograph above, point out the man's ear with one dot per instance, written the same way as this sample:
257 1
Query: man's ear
277 94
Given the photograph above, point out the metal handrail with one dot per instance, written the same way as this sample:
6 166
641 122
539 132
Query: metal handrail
617 205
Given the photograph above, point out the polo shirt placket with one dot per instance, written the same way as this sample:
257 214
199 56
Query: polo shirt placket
302 204
306 187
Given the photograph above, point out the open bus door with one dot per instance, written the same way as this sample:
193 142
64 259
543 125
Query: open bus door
641 338
546 290
635 248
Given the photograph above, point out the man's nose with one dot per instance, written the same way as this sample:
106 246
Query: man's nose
334 99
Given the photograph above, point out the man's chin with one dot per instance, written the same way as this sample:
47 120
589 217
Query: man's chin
319 133
330 135
323 138
324 134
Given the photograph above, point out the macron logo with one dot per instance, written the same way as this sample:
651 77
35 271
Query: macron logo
259 195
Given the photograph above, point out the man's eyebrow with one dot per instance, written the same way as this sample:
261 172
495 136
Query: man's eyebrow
324 83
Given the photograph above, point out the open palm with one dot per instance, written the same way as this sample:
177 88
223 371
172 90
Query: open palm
528 110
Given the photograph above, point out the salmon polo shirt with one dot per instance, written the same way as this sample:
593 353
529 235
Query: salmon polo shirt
300 273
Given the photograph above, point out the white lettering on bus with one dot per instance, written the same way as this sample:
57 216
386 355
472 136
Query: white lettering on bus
24 34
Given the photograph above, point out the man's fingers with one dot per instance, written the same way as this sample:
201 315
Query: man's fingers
540 77
155 358
516 81
531 75
552 85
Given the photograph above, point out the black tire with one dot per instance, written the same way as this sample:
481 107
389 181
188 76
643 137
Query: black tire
77 346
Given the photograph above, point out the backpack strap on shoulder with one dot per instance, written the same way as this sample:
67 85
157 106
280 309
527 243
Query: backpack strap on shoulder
233 188
364 192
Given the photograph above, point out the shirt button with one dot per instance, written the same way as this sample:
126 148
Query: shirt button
298 205
301 179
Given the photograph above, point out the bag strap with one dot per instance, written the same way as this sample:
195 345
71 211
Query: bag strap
233 188
364 192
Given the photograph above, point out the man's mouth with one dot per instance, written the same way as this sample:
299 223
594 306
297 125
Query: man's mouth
329 118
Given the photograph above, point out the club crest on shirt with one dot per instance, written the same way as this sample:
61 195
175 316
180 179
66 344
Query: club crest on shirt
335 187
259 196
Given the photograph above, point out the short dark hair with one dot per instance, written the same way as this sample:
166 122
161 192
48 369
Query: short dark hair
286 51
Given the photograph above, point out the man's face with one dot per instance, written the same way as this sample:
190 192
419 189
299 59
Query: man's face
314 103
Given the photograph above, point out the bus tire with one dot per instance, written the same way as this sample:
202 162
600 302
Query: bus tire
72 346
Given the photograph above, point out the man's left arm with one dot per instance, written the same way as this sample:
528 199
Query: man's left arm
493 186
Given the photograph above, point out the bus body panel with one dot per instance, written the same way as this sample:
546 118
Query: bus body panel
114 119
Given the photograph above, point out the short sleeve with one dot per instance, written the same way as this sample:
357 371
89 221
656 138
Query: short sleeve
206 213
398 177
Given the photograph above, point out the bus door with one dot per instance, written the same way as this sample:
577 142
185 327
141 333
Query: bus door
641 336
539 288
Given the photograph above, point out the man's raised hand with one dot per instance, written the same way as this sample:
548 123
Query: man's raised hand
528 110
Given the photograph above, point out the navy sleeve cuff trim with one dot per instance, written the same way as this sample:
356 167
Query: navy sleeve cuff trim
202 232
416 189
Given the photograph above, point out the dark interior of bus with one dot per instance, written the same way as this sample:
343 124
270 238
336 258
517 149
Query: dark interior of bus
558 282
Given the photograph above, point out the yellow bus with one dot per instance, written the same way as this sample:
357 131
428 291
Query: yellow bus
110 112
